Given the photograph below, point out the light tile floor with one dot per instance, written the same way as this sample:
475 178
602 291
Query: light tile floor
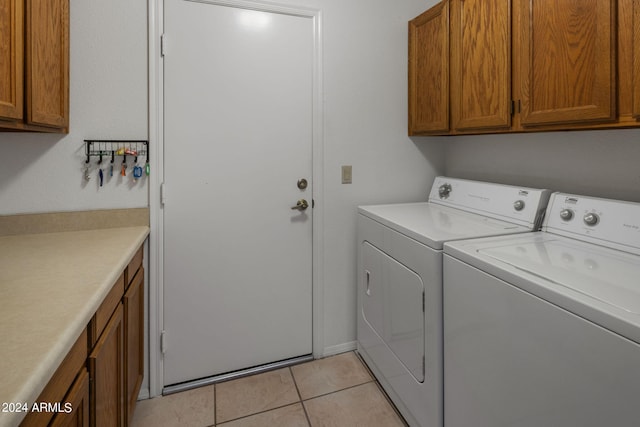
336 391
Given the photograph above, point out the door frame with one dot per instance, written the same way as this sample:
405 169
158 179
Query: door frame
156 177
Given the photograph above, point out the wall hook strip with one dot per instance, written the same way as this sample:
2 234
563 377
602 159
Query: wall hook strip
116 147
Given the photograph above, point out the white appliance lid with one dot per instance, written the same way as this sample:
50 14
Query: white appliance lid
607 275
598 283
433 224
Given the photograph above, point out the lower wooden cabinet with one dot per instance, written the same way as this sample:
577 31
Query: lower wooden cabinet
78 399
116 361
134 341
98 382
53 399
106 368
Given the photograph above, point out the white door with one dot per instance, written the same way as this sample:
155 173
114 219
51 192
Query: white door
238 95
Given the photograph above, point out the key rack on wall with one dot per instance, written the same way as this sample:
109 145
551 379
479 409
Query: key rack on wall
113 148
106 151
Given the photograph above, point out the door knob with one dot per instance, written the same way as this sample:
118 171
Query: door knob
301 205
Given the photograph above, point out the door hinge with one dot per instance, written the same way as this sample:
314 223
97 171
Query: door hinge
163 342
162 45
162 194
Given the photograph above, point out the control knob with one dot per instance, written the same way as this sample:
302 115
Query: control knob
566 214
518 205
444 190
591 219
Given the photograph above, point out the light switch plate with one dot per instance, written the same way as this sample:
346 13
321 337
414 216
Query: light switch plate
346 174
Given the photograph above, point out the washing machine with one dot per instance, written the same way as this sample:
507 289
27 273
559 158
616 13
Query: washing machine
399 294
543 329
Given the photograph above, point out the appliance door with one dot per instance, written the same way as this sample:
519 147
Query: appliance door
393 307
400 319
513 359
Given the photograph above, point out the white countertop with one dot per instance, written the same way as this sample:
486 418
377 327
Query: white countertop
50 286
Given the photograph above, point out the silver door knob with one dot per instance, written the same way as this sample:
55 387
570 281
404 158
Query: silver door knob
301 205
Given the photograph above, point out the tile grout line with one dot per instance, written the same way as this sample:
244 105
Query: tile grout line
258 413
338 391
266 410
391 404
364 364
295 383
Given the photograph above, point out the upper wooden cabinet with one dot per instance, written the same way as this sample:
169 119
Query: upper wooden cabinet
567 58
524 65
480 64
34 65
429 71
11 59
635 61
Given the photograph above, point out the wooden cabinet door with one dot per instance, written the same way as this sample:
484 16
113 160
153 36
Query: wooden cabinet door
47 57
11 59
636 59
78 397
61 382
567 61
429 71
134 341
480 64
106 368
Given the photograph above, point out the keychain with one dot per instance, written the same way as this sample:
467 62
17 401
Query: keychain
137 173
87 177
100 176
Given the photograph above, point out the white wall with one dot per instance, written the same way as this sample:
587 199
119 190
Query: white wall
108 100
365 87
365 74
603 163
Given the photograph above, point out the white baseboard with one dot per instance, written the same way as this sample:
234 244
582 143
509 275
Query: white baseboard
340 348
144 394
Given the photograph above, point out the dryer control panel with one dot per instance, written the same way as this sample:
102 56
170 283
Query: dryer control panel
520 205
611 223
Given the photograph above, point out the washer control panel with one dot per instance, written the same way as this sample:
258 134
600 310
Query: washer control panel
591 219
611 223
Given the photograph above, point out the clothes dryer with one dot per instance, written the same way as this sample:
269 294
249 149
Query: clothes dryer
543 329
399 325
